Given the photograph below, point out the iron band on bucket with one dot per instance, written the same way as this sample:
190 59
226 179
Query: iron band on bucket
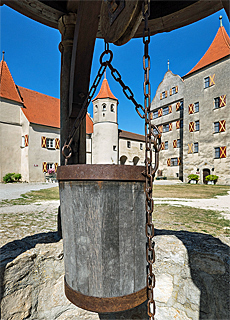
101 305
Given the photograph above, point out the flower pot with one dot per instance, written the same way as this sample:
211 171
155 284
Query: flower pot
193 181
211 182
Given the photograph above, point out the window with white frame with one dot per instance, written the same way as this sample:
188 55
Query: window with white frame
23 141
166 145
178 143
50 143
217 153
163 95
173 90
216 103
195 147
50 166
174 162
165 110
166 127
206 82
196 107
155 114
216 127
197 125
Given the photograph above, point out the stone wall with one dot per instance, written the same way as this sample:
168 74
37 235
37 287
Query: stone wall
192 280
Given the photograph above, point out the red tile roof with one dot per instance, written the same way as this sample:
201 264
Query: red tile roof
219 48
8 88
40 108
105 91
89 124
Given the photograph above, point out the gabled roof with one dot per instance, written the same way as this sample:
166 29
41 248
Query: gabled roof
8 88
40 108
130 135
219 48
105 91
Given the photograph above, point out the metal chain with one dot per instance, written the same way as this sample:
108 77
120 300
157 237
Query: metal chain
67 150
152 141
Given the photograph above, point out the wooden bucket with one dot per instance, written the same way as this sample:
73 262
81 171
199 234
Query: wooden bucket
103 227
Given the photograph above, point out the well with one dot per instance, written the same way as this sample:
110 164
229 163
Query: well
103 227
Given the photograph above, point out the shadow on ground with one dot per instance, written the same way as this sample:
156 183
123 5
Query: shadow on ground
210 275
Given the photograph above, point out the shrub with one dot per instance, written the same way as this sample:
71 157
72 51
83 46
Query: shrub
12 177
9 177
211 177
193 177
17 177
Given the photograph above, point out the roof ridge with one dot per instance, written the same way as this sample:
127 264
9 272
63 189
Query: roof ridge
34 91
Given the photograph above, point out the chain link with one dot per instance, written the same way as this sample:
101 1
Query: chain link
152 143
67 150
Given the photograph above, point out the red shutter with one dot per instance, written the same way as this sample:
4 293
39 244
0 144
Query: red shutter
26 140
190 149
44 167
160 128
223 100
43 142
170 126
56 166
212 80
170 91
178 124
160 112
166 94
179 161
176 89
223 152
174 143
191 108
57 143
168 162
160 96
178 106
222 125
162 146
191 126
170 109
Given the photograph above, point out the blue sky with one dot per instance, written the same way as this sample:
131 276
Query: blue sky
32 55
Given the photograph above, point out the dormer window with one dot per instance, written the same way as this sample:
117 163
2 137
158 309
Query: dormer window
112 108
104 107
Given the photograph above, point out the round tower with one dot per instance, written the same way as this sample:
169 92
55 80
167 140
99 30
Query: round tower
105 127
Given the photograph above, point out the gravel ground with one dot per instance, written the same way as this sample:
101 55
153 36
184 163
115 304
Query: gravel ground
14 190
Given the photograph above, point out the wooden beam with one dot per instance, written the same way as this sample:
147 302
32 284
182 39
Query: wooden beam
83 46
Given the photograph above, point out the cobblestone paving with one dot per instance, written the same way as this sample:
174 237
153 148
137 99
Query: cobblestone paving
19 221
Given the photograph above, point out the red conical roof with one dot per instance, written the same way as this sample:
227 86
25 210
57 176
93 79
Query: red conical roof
219 48
8 88
105 91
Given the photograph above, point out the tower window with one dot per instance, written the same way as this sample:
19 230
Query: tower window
96 109
104 107
141 146
128 144
103 115
112 108
114 148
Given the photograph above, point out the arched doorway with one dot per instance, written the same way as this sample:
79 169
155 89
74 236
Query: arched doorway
206 172
135 160
123 159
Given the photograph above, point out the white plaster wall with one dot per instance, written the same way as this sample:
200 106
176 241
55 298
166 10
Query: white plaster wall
207 115
88 149
10 138
37 154
104 137
132 152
